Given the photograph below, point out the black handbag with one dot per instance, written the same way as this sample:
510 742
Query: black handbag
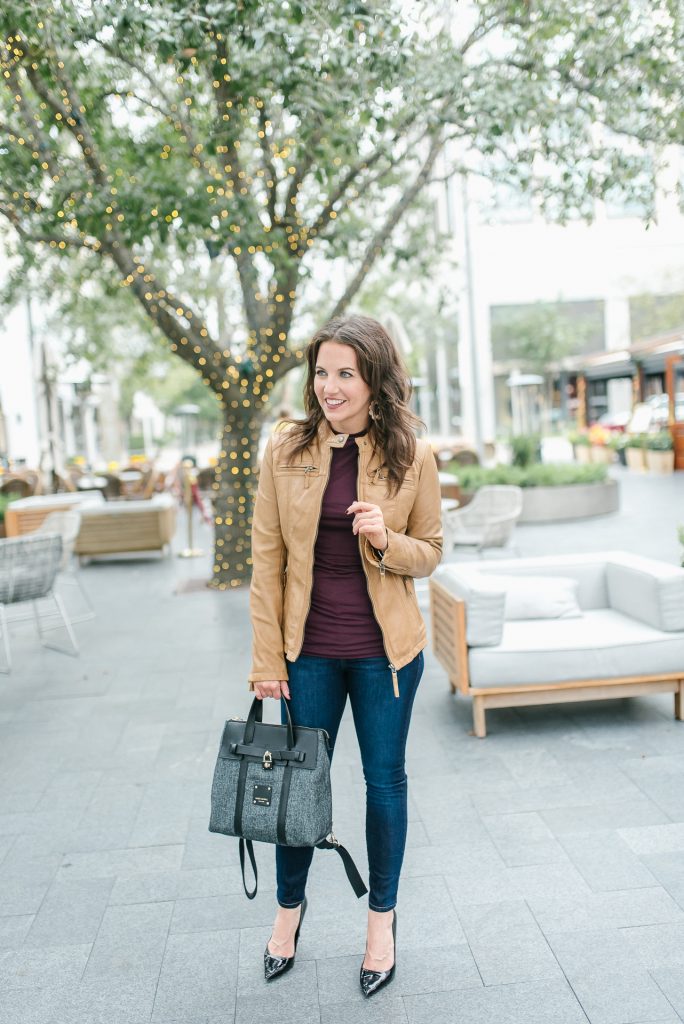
272 785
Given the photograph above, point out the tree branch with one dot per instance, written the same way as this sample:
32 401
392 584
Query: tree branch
374 249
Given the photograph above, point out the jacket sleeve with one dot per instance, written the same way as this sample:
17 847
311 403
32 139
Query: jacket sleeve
269 557
417 552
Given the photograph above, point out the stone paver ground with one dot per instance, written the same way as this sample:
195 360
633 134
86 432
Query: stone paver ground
544 875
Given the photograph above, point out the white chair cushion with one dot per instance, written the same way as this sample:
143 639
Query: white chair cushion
537 597
603 644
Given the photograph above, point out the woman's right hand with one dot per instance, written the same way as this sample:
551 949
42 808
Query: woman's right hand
275 688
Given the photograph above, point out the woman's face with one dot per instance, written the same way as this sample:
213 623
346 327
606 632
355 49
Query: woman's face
342 392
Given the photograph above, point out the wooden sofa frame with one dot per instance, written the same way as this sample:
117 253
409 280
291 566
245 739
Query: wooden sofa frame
448 618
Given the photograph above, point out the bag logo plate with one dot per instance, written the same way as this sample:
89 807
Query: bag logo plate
261 795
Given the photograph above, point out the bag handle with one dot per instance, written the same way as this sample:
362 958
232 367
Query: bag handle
255 715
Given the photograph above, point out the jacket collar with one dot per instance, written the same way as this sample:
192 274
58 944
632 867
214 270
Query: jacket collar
327 436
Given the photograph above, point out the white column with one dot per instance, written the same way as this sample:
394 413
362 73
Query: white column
474 347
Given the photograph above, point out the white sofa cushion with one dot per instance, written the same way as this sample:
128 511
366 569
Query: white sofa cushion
603 644
588 569
538 597
648 590
484 603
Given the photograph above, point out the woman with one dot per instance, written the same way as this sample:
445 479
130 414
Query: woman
347 513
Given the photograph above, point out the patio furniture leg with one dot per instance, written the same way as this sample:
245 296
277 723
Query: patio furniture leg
679 701
5 639
65 622
479 725
452 684
71 576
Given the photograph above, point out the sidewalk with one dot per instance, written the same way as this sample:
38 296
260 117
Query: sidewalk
544 875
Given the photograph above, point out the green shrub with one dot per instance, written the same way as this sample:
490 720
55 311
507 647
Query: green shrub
536 475
660 442
576 437
636 440
5 499
525 449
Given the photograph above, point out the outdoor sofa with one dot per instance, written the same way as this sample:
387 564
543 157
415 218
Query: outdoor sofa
107 527
550 630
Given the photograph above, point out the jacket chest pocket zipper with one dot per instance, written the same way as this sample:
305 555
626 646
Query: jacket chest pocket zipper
296 470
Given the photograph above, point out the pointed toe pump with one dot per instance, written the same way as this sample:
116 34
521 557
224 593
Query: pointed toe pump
372 981
274 966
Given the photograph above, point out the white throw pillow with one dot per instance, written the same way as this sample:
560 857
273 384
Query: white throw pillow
537 597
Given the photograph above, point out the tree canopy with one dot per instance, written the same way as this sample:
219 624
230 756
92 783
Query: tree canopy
268 144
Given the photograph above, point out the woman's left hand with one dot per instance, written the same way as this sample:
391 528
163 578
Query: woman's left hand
369 521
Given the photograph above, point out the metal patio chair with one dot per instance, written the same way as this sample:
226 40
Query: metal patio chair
67 523
485 522
28 566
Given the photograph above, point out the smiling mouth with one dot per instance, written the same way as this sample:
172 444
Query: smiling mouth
334 403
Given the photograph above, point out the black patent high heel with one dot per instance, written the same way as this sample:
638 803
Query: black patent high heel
274 966
372 981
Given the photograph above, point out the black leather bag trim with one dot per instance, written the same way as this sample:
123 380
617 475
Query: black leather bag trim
273 738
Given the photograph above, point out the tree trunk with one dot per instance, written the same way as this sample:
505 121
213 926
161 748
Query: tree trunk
234 493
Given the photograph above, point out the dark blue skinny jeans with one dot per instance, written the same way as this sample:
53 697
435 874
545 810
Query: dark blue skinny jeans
318 694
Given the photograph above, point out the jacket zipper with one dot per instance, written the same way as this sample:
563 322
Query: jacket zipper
395 677
313 548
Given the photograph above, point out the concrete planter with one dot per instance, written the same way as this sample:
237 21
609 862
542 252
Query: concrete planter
575 501
659 462
582 453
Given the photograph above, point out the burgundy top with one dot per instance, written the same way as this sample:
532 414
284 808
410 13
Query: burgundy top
341 623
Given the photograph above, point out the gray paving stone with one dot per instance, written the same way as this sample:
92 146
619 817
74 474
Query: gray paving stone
656 945
13 930
546 879
112 805
670 981
606 910
655 839
198 976
523 838
178 885
629 815
121 863
605 860
18 897
71 913
543 1002
130 939
621 997
220 913
599 949
388 1011
507 944
41 968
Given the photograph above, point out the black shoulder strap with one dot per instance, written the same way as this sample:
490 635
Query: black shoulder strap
250 851
353 875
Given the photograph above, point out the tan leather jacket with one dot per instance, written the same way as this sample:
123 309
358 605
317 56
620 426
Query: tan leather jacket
284 530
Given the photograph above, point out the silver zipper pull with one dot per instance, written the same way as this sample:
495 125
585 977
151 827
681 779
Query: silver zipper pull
307 471
395 679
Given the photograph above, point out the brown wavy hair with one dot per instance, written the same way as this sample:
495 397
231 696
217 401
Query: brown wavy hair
392 432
